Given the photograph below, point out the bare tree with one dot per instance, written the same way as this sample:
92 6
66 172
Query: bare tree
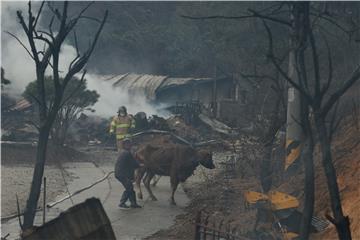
313 93
52 41
315 105
271 124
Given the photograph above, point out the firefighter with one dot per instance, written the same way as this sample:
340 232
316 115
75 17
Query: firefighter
121 126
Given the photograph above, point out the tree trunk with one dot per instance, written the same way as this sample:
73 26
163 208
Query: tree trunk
341 223
35 189
268 142
31 203
307 157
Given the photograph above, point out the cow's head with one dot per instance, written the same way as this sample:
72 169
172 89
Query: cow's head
205 159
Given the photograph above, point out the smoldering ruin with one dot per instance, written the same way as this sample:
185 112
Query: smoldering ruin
245 114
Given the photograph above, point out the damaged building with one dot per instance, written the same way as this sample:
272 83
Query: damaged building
16 123
225 98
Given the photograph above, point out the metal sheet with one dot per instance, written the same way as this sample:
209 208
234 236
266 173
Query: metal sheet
148 85
143 84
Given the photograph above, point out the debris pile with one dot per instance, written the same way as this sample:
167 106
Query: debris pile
179 127
17 123
90 130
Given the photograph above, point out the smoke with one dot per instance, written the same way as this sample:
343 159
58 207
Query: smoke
20 69
18 65
112 98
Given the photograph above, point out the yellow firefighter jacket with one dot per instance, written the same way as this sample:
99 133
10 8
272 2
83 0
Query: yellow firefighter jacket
120 125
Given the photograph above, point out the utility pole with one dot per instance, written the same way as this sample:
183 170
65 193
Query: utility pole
293 128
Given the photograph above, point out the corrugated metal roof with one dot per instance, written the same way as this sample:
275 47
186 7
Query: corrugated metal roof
144 84
21 105
175 82
148 85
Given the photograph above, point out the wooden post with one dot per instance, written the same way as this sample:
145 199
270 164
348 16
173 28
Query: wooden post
44 201
197 226
220 227
213 230
206 222
228 235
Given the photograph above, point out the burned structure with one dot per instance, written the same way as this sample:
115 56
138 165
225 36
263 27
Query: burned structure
16 124
225 98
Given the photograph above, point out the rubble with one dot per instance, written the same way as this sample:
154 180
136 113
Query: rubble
217 125
178 125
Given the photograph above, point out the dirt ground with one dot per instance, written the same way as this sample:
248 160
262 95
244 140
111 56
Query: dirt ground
16 180
17 164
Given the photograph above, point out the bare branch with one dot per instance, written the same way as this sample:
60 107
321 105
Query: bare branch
73 62
336 24
333 123
278 67
31 18
76 43
21 43
38 15
82 81
65 182
315 58
80 63
50 26
90 18
330 67
77 51
63 18
302 71
333 34
47 34
253 15
74 21
277 6
50 205
335 96
84 9
18 212
44 39
276 20
55 11
28 32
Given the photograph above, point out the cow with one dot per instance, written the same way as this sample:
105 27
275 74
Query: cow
174 160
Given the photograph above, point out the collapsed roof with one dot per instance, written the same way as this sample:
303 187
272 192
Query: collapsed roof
21 105
149 85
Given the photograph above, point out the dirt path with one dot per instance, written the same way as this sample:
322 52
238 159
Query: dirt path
131 224
134 224
16 180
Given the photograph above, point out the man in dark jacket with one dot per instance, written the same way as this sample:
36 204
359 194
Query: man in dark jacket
124 172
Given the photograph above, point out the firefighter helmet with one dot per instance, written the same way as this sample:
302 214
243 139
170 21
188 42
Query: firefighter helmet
122 109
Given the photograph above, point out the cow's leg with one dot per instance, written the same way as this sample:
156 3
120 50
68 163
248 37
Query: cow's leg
139 174
174 184
147 181
156 180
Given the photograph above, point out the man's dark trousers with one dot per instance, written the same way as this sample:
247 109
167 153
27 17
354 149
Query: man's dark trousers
129 192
